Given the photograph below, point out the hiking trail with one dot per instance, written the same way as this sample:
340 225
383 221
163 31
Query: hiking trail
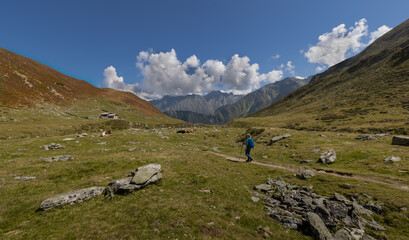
315 170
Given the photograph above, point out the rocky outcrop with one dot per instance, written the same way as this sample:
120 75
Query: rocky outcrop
71 197
328 157
400 140
306 211
278 138
141 177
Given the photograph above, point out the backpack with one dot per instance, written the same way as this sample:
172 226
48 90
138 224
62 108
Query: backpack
250 143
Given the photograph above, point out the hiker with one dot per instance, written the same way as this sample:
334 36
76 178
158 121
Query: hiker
249 145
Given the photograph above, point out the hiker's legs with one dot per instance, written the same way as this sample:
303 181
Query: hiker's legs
248 154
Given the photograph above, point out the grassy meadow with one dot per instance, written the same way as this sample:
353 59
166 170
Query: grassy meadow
175 208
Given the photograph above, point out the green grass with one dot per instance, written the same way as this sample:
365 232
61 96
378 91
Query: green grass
174 208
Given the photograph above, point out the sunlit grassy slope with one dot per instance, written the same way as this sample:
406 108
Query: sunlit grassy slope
174 208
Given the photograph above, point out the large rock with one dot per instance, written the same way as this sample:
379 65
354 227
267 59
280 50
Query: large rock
141 177
400 140
71 197
317 227
328 157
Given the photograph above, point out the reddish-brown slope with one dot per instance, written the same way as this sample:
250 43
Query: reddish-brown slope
25 82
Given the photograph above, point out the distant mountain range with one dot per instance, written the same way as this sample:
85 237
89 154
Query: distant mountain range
206 104
243 106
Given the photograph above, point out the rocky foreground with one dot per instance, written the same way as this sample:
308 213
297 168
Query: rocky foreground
322 217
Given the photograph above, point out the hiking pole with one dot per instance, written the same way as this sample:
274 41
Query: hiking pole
241 151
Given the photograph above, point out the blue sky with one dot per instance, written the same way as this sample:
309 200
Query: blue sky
86 39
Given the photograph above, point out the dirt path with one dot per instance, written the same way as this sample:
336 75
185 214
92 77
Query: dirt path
317 171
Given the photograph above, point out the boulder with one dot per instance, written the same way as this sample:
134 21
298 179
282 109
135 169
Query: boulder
306 174
57 158
141 177
400 140
71 197
392 159
142 174
317 227
328 157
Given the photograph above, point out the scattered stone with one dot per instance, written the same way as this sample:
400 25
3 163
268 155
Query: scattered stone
255 199
205 191
392 159
132 149
365 137
71 197
306 174
403 171
68 139
306 161
328 157
382 135
317 150
133 143
265 157
24 178
400 140
278 138
106 149
102 143
141 177
164 137
403 209
265 232
82 135
322 135
57 158
325 108
216 149
52 146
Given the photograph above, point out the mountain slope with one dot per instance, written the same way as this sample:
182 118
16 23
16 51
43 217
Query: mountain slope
196 103
259 99
371 86
25 82
245 105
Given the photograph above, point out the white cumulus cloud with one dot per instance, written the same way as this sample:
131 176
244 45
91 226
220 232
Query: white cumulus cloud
164 74
378 33
290 68
112 80
334 47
